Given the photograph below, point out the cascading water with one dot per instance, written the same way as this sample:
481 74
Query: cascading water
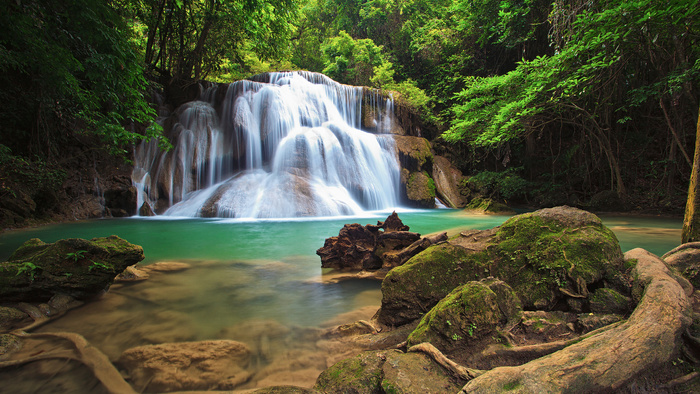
286 145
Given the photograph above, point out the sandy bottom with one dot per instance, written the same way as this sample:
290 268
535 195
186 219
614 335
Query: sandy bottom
281 320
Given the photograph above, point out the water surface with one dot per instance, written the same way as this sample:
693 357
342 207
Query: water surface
251 279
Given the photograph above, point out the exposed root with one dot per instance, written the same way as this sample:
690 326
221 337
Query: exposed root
606 360
542 349
682 380
88 355
459 371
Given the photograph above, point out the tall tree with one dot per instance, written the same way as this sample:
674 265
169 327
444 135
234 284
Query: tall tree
187 39
691 221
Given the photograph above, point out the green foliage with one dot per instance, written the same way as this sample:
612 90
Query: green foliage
75 256
191 39
66 67
27 268
352 61
506 184
99 265
33 175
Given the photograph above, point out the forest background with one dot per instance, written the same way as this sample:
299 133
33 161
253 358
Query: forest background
582 102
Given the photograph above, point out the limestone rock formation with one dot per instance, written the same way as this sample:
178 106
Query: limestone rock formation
447 179
416 161
75 267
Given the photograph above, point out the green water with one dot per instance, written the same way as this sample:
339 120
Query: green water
248 280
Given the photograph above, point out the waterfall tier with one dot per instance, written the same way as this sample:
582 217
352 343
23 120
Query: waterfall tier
280 145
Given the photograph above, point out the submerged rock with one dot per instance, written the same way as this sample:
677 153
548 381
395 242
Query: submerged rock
205 365
547 257
79 268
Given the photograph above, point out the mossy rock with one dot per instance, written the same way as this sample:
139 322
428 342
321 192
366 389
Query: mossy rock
547 257
420 189
412 289
555 253
361 374
75 267
470 313
610 301
488 205
414 153
390 371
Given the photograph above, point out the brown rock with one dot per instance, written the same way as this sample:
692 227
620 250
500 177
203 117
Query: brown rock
205 365
447 180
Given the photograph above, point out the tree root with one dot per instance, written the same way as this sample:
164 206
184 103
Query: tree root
682 380
459 371
539 350
608 359
83 352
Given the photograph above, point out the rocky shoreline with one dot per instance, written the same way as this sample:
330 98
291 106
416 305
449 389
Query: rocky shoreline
546 302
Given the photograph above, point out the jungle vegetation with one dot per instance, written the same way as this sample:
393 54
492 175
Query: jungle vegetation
544 102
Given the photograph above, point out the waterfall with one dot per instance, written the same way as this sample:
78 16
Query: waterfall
280 145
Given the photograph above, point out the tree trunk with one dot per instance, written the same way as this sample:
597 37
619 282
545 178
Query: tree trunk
691 222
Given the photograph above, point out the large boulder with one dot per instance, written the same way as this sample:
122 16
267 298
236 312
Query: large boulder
553 258
470 313
75 267
205 365
606 362
447 179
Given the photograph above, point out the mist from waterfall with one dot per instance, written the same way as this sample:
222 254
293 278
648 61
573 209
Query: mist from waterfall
281 145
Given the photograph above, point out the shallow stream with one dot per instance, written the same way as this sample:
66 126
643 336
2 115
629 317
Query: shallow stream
259 282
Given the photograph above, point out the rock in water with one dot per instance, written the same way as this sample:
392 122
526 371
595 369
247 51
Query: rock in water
75 267
360 247
204 365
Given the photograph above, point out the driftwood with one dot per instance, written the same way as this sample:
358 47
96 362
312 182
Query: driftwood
612 357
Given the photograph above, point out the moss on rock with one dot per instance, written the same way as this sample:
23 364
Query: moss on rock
75 267
471 312
390 371
410 290
361 374
547 257
420 189
610 301
487 205
553 253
